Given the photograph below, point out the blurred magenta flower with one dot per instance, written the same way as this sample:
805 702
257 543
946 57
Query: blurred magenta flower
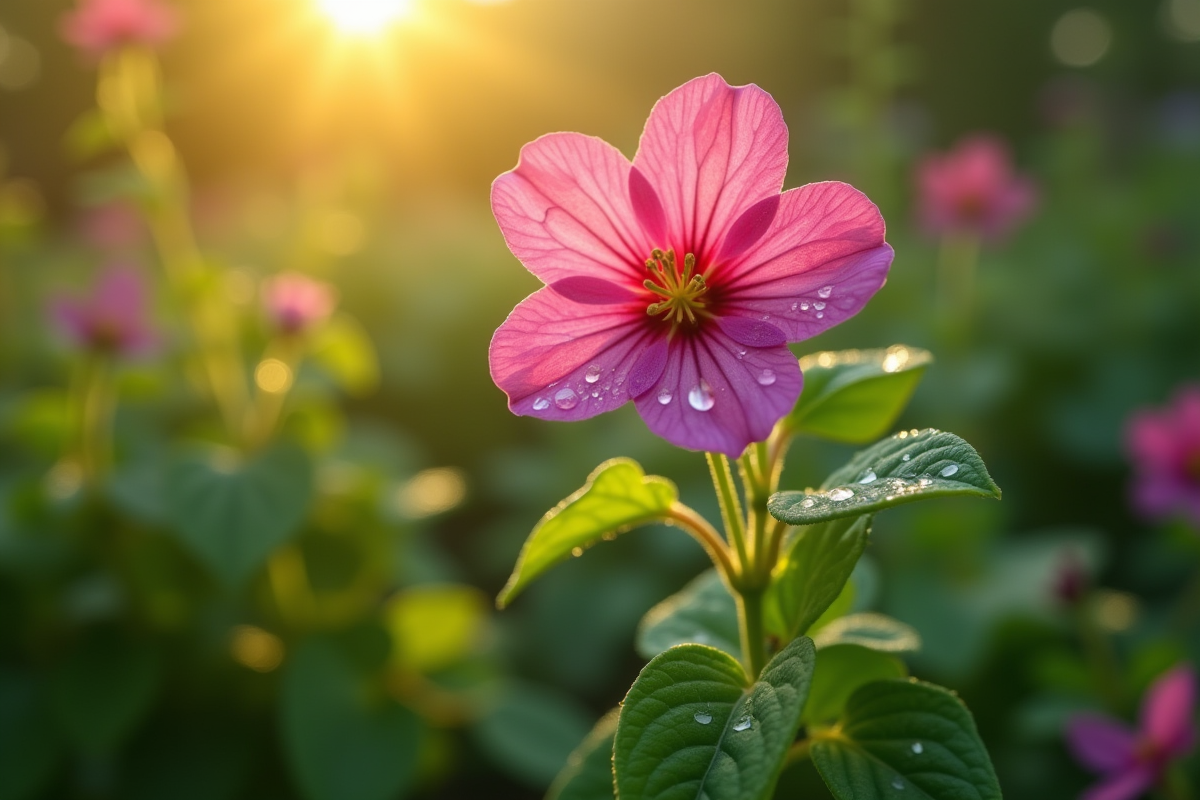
97 27
1165 447
114 318
1131 762
677 280
973 189
296 302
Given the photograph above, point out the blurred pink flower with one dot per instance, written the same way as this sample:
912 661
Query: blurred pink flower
113 318
1130 762
296 302
973 189
677 280
1165 447
97 27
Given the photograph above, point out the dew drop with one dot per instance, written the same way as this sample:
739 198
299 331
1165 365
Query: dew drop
541 404
841 493
819 306
577 551
595 392
824 292
701 396
949 470
820 315
918 748
766 317
897 784
907 457
804 306
766 377
593 373
703 717
664 397
924 482
741 354
566 399
744 724
794 306
870 477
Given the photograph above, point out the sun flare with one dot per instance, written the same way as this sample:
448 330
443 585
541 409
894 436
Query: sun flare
365 17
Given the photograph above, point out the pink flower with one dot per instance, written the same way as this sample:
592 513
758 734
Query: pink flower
97 27
676 281
1130 762
114 318
972 189
1165 447
296 302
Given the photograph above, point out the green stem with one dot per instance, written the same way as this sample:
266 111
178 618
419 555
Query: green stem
1100 657
957 264
750 619
731 508
96 406
700 529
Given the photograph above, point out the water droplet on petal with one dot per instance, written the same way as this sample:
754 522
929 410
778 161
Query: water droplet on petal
593 373
566 399
595 392
918 748
841 493
808 503
664 397
701 396
766 317
824 292
766 377
794 306
870 477
744 724
949 470
820 315
703 717
741 354
541 404
804 306
819 306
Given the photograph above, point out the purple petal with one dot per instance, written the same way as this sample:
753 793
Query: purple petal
717 396
120 295
1168 709
647 207
71 318
592 291
565 210
751 332
1123 786
749 228
1100 743
561 360
711 151
649 367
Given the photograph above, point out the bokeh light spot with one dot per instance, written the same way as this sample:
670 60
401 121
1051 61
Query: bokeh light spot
1181 18
1080 38
365 17
20 62
255 648
273 376
431 491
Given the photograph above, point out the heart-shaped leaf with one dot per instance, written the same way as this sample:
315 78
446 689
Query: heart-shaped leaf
703 612
816 564
693 726
588 774
233 513
854 396
911 465
901 738
618 496
841 669
874 631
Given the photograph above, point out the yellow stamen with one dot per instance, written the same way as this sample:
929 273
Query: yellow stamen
682 290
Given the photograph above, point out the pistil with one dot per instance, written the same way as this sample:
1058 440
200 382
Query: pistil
681 290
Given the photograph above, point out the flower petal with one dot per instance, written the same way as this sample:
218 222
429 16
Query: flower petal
557 359
1100 743
1167 711
751 332
1122 786
593 291
717 396
711 151
565 210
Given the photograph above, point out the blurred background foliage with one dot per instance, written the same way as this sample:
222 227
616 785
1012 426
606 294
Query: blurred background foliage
364 660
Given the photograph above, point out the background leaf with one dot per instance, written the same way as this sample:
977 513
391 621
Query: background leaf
233 513
817 562
904 736
691 727
703 612
912 465
874 631
841 669
589 772
344 350
433 626
531 732
618 496
29 745
854 396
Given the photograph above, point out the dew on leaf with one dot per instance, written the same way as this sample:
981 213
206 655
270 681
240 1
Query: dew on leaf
808 503
703 717
744 724
841 493
949 470
870 477
918 748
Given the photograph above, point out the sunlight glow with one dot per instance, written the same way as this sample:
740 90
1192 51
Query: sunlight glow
365 17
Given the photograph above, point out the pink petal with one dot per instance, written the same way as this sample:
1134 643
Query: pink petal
565 210
71 318
1168 709
593 291
120 295
718 396
551 355
712 151
1123 786
1100 743
1152 440
751 332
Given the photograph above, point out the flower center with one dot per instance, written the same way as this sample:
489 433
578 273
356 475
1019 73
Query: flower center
681 290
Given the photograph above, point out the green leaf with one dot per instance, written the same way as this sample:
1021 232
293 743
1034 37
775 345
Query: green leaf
233 513
104 689
341 739
912 465
814 569
841 669
588 774
29 746
703 612
875 631
899 736
854 396
618 496
343 349
531 731
694 726
435 625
